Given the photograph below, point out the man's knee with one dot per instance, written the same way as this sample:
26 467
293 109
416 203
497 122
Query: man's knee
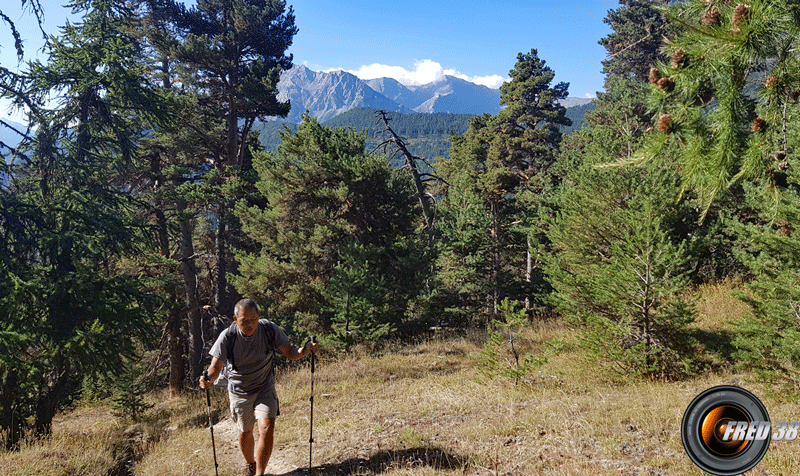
266 425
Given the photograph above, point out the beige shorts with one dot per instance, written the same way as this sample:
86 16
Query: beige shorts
245 409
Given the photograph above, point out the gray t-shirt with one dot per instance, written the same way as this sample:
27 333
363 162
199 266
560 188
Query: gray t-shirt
253 359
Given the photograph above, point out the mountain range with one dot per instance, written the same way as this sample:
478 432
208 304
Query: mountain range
328 94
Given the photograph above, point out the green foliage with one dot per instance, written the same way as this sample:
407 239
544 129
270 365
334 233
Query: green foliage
463 256
620 118
129 391
503 355
634 45
70 311
727 93
618 270
766 341
617 131
353 295
339 248
500 172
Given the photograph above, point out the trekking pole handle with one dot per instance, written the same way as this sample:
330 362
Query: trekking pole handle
208 396
310 340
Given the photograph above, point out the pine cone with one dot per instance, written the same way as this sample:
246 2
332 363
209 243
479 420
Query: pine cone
740 14
666 85
664 123
679 59
711 18
655 75
771 82
758 124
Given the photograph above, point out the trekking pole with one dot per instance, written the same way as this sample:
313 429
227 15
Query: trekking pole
311 427
211 424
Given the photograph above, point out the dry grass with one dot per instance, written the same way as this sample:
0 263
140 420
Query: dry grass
62 455
88 442
718 309
426 409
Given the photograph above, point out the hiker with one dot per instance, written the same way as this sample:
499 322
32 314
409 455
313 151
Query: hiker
246 351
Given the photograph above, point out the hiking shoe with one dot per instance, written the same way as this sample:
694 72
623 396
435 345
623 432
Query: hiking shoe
251 469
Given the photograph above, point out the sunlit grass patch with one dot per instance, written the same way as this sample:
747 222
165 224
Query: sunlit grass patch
426 409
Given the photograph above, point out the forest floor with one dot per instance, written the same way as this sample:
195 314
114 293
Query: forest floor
426 409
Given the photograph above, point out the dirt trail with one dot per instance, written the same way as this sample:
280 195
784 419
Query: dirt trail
226 436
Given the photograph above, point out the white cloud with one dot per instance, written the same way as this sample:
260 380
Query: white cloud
423 72
590 96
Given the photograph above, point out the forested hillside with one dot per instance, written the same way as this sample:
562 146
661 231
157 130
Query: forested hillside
143 208
426 134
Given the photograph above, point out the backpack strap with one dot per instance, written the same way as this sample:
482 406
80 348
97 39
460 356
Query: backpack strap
269 337
230 343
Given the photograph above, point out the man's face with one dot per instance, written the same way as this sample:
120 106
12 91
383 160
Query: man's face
247 320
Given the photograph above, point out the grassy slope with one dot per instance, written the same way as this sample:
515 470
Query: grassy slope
426 409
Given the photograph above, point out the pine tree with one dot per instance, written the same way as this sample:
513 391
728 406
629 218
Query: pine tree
232 54
766 340
339 249
173 161
507 162
463 251
619 271
634 45
726 92
72 309
724 101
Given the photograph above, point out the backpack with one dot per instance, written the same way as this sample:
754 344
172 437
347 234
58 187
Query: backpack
267 333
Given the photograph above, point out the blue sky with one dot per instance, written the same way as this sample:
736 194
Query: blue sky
476 38
416 41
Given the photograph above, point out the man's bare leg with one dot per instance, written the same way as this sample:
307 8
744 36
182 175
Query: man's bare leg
266 433
247 444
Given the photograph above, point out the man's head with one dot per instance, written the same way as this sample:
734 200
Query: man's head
245 313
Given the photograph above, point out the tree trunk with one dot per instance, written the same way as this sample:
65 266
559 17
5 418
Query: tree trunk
48 404
221 304
528 270
495 233
411 163
8 397
232 140
175 346
189 272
